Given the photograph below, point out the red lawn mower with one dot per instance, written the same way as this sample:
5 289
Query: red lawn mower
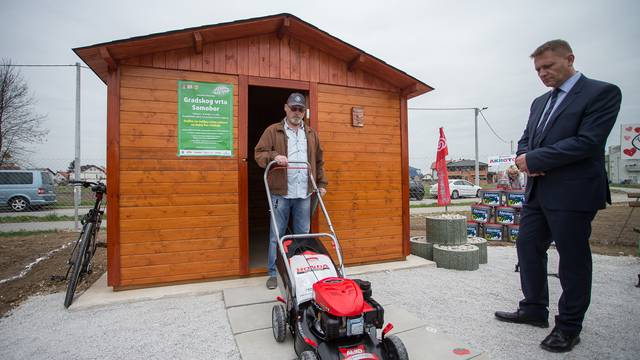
329 315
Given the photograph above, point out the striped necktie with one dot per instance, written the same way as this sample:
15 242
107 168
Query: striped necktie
543 122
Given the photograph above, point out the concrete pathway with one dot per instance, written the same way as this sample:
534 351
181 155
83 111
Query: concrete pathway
45 225
248 306
46 211
624 190
249 313
100 295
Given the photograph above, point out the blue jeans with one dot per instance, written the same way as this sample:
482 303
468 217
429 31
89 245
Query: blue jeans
283 207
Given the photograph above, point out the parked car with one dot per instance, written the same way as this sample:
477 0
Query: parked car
458 188
24 189
416 190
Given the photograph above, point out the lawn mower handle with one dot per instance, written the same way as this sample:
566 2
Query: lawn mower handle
331 235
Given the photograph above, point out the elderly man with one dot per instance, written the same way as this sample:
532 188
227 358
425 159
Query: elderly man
562 151
290 140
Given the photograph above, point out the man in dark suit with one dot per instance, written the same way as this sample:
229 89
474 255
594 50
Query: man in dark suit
562 151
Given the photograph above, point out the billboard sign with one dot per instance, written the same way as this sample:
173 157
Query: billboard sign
500 163
630 141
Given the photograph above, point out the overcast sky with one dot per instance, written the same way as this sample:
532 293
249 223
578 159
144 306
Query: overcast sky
474 53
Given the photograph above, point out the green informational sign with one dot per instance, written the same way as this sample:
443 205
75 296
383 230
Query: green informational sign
205 119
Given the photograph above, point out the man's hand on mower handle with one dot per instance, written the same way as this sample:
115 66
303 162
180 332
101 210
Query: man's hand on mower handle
281 160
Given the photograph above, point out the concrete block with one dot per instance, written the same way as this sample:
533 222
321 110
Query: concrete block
411 262
249 295
260 345
100 295
423 343
250 317
401 319
482 356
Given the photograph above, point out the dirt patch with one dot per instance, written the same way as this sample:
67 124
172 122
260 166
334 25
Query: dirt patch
614 226
612 230
16 252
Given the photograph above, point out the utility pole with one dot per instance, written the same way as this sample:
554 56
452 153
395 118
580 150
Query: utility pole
476 112
77 190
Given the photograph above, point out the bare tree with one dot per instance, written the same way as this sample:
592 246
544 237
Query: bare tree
19 124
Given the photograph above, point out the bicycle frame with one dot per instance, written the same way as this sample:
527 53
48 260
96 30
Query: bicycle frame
281 240
85 247
94 216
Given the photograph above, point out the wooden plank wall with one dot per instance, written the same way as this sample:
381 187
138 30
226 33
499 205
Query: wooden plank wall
363 165
265 56
179 216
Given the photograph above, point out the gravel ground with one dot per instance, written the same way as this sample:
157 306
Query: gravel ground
461 304
178 328
457 303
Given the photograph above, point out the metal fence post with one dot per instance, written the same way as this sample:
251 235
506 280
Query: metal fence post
77 190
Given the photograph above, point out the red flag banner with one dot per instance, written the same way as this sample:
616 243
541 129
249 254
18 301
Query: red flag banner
444 196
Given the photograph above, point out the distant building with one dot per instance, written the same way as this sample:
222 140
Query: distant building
621 171
465 169
61 177
90 173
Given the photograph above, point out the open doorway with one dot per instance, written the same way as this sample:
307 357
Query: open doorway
266 106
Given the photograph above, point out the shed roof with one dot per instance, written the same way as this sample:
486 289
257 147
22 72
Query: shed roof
101 57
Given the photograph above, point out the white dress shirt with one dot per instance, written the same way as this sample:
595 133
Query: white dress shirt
297 179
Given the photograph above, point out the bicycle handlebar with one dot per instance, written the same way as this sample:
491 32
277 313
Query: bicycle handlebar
95 186
82 182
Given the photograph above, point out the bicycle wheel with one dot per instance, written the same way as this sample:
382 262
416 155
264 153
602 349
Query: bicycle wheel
78 260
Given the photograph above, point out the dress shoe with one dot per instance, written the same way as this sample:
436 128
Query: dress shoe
559 341
519 317
272 283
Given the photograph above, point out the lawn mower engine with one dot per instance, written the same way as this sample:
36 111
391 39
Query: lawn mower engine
343 309
340 323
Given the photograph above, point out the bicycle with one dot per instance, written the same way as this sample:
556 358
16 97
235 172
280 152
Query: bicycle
85 247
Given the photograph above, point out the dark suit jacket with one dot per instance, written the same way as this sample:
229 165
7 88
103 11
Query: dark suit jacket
570 151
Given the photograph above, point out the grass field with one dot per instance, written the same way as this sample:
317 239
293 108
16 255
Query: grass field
65 196
629 186
26 218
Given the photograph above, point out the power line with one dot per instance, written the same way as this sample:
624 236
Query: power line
44 65
465 108
451 108
491 128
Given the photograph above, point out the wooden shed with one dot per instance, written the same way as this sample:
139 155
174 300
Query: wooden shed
178 218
